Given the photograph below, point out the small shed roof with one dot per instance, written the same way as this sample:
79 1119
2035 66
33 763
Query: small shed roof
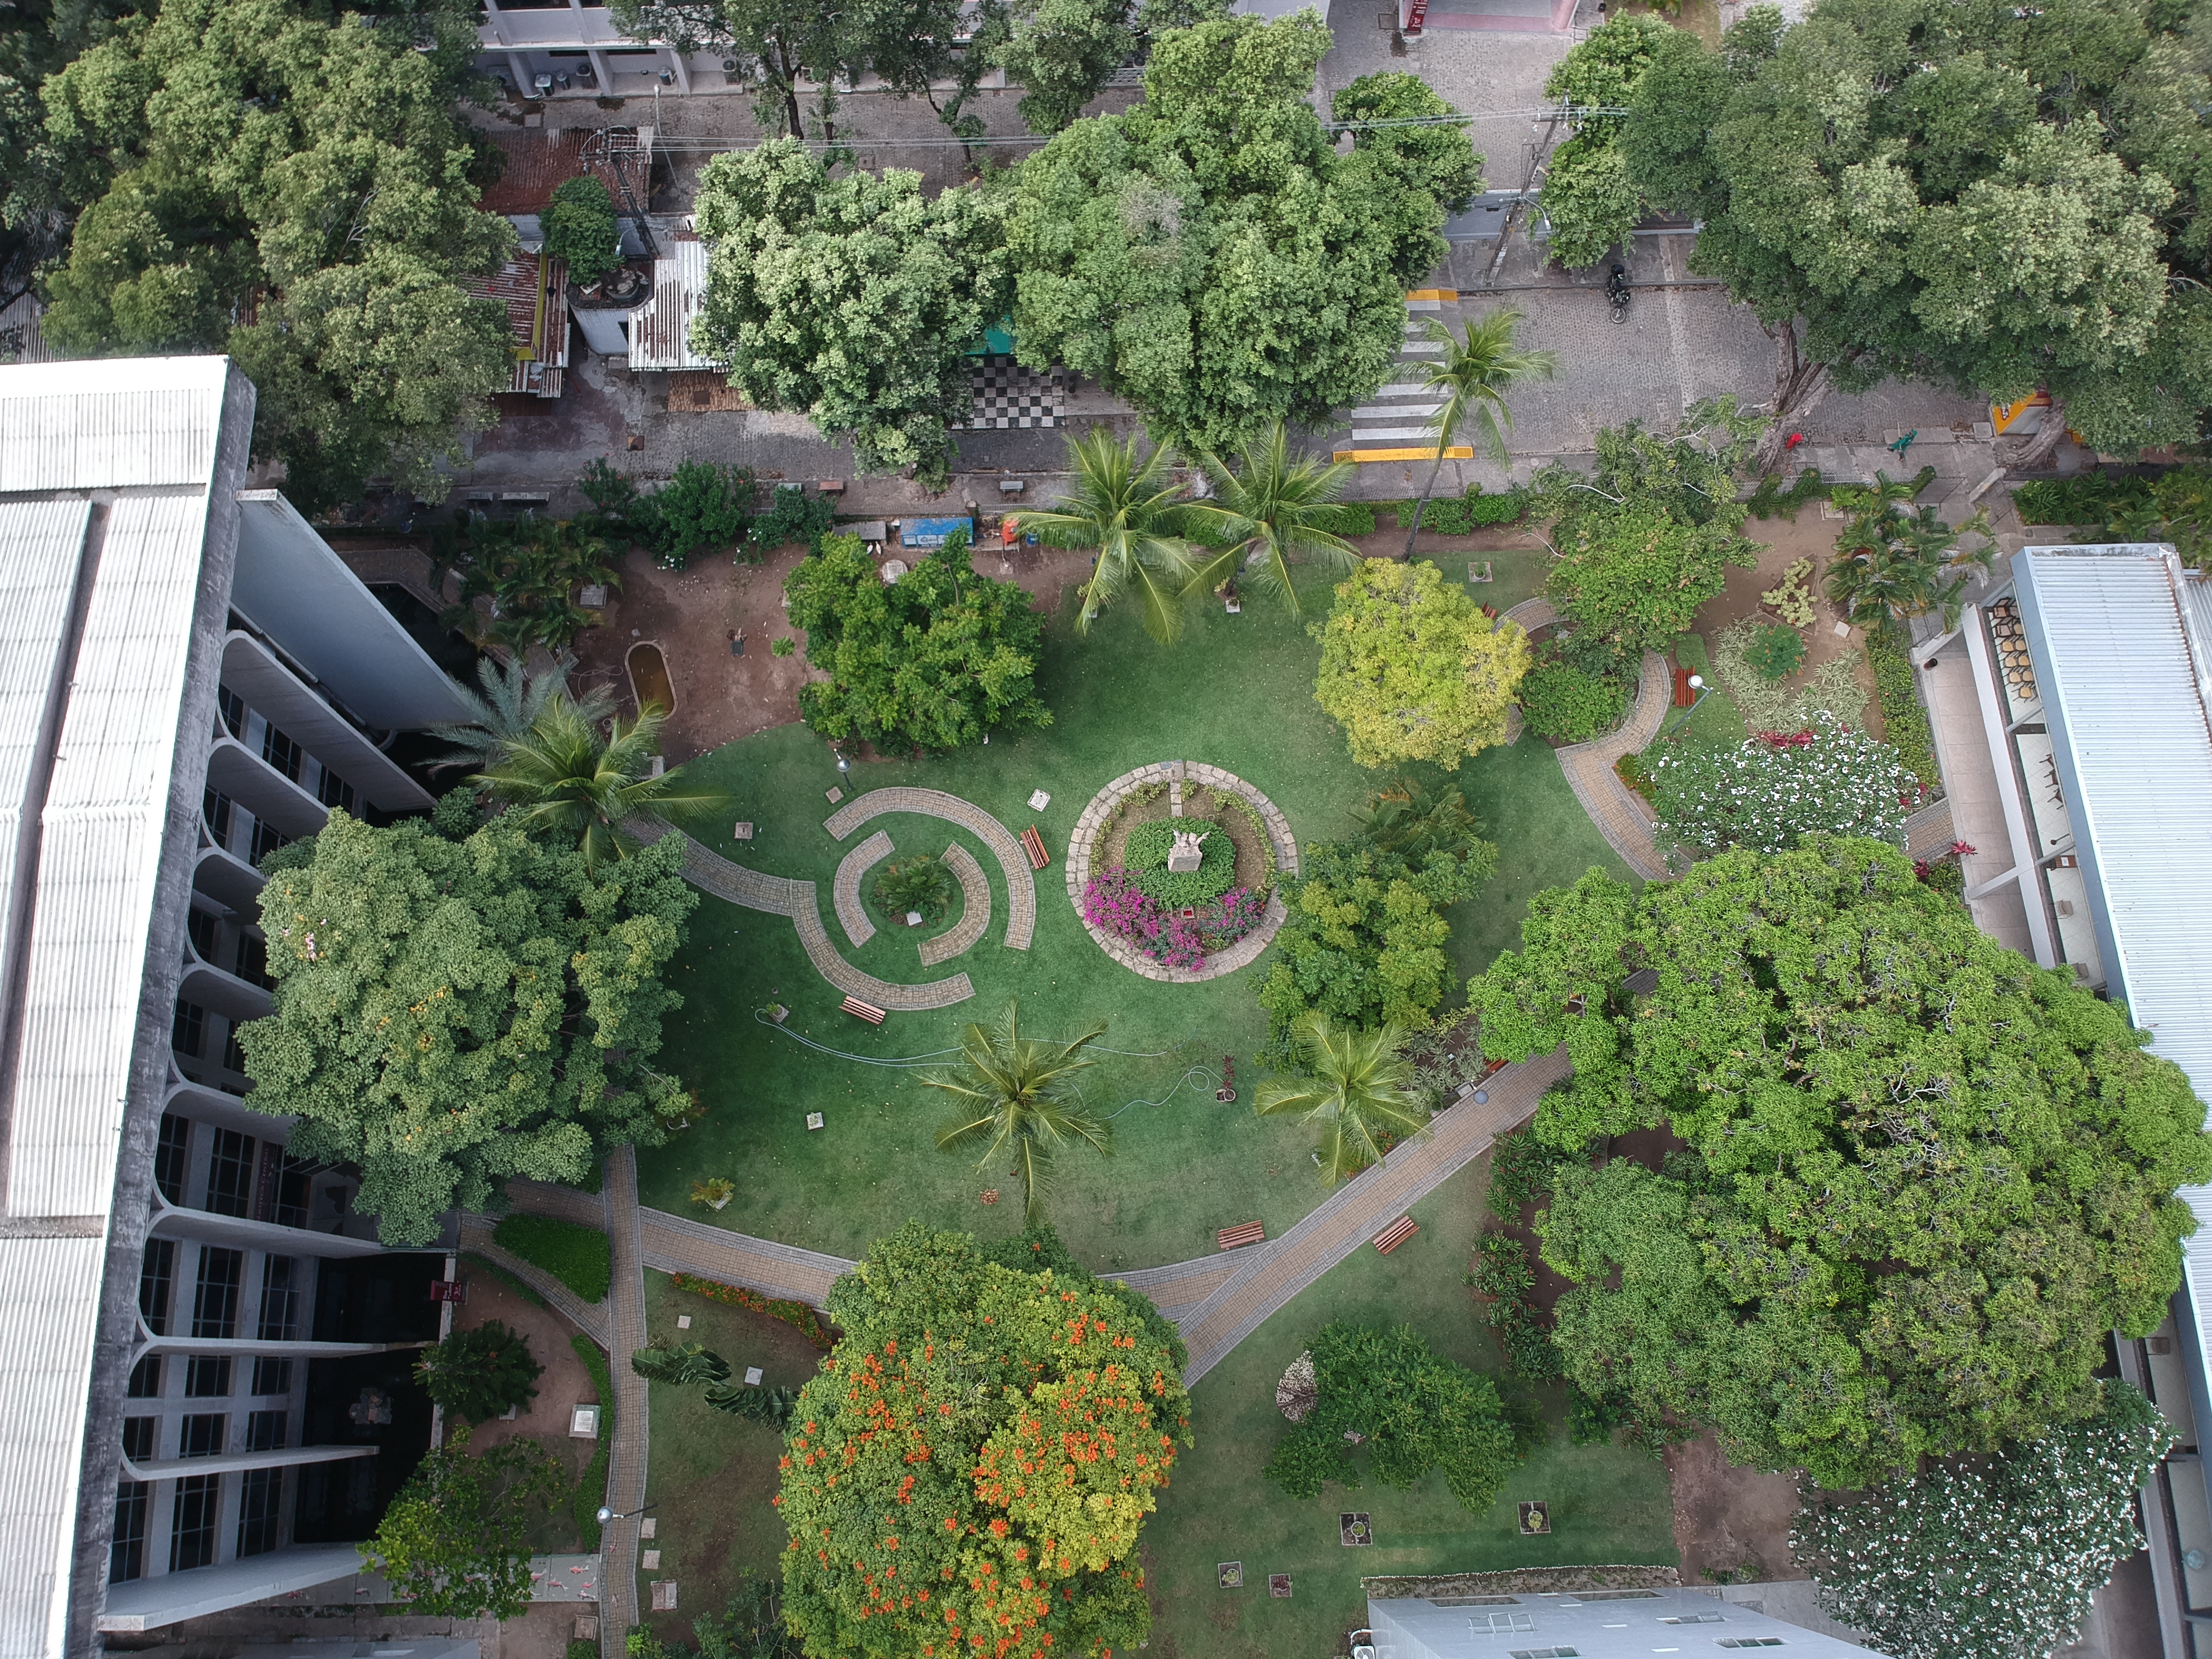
660 328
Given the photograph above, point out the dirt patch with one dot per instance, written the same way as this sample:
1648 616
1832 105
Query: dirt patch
564 1385
1729 1521
1781 544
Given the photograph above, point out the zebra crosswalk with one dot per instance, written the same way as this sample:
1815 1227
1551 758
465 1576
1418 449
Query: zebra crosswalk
1394 425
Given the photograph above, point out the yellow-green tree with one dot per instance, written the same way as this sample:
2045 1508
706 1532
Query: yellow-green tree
1412 668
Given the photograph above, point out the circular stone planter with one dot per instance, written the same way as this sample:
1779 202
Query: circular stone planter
1095 817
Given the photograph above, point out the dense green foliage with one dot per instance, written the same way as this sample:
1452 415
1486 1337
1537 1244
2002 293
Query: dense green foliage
904 1479
1358 1090
793 516
1922 1177
1365 939
1504 1277
1894 560
1460 515
849 299
702 508
532 572
449 1014
287 184
936 659
1521 1166
1995 197
476 1374
1903 720
580 1257
1144 855
1589 199
453 1543
580 228
1412 669
1272 509
1418 1411
921 885
1997 1555
1211 257
1561 701
1776 653
588 782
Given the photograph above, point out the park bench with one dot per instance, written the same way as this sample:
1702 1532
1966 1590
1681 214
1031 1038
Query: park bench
866 1010
1394 1235
1033 844
1245 1232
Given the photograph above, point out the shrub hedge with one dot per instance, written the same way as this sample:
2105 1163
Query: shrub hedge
1562 702
1903 721
592 1484
1459 515
580 1257
1144 856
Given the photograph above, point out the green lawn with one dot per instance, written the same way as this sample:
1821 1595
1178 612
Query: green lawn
1609 1504
1236 691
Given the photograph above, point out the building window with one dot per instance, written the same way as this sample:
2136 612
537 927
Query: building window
230 1172
279 1302
192 1523
1752 1641
126 1551
140 1435
215 807
265 1431
280 752
145 1379
295 1189
215 1301
199 927
170 1155
155 1277
207 1376
234 1053
188 1034
201 1435
253 962
233 709
272 1376
266 839
334 791
257 1511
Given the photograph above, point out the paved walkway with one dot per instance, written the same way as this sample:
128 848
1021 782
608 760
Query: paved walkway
780 895
476 1238
974 908
629 1449
845 887
1021 888
1928 831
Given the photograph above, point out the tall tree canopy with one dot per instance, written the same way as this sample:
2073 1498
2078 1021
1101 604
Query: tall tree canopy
1211 257
288 185
1997 197
849 301
1923 1177
975 1460
935 659
450 1014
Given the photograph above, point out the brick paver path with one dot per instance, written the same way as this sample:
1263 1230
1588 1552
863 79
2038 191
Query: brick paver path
1588 766
629 1450
780 895
845 887
1021 889
1928 831
476 1238
974 908
677 1244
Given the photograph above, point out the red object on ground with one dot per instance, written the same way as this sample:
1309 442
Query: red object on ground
1792 442
1009 533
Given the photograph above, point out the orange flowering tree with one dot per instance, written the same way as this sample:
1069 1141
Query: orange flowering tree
966 1476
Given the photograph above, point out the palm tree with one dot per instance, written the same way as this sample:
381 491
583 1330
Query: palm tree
692 1363
1359 1089
503 712
1472 377
1017 1093
1892 560
566 774
1128 507
1274 507
1413 819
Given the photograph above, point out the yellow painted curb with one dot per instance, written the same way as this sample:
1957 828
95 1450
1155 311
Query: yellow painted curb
1456 452
1432 294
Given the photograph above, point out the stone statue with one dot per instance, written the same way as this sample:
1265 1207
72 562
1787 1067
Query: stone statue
1183 858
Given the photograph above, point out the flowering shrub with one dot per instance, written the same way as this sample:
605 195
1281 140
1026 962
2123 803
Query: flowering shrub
1114 902
1997 1557
798 1315
1777 788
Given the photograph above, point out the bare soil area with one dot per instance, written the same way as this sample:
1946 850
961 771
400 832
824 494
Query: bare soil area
564 1385
1782 544
1730 1521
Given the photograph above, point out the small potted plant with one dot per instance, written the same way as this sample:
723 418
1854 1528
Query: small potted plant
715 1193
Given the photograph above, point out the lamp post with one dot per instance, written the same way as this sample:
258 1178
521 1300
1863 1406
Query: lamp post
607 1515
1698 684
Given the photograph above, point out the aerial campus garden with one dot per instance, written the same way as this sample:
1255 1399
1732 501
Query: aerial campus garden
1295 859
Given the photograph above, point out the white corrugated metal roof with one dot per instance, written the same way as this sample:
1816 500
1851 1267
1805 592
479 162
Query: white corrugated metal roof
48 1290
660 328
110 423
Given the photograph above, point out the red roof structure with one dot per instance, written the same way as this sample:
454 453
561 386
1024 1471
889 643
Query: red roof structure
540 158
534 289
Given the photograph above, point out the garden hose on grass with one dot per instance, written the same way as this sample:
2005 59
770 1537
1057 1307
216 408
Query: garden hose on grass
911 1061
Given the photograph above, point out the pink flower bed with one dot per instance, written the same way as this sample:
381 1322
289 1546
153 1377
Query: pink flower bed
1114 902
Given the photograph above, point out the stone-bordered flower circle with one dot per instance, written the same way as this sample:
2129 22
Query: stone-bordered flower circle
1141 934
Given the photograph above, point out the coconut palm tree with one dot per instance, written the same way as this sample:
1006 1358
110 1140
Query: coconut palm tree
565 774
1272 507
1472 377
1016 1093
1895 561
1129 508
1359 1090
509 704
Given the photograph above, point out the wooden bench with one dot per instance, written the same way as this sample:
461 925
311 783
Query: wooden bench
1685 696
866 1010
1245 1232
1033 844
1394 1235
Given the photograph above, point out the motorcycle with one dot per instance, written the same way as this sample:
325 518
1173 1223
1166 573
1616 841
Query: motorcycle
1616 293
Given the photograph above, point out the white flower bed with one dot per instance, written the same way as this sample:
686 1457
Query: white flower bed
1774 789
